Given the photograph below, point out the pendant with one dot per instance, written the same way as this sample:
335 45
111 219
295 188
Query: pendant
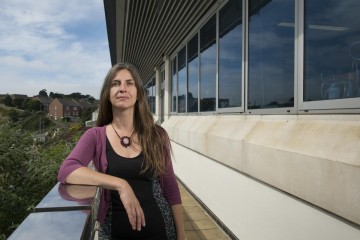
125 141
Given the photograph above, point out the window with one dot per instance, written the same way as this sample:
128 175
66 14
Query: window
173 85
193 74
208 66
331 50
182 88
271 54
230 55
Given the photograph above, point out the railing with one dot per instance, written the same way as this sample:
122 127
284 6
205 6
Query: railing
66 212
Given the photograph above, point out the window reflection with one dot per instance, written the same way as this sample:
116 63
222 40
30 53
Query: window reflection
182 80
271 54
332 49
230 52
193 73
208 66
173 85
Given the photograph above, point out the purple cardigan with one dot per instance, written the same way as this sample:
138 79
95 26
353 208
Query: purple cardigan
92 146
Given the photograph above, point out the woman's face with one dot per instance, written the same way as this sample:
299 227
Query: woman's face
123 92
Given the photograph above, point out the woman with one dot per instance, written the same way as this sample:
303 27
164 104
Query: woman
141 198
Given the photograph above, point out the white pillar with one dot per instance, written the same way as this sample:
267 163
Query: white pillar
167 92
157 95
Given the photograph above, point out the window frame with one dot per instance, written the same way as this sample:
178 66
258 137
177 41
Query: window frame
198 72
347 105
270 111
240 109
174 57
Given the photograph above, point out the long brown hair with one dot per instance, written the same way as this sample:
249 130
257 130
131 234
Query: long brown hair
153 139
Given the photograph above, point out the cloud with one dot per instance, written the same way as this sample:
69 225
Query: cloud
56 45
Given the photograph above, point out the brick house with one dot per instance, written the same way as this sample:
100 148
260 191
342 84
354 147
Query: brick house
61 108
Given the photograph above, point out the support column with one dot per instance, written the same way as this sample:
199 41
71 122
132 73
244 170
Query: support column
157 94
167 92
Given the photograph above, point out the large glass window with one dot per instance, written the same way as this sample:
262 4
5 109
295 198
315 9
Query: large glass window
332 49
182 80
173 85
193 74
208 66
271 54
230 54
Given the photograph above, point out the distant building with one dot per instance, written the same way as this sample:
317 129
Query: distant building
40 138
92 122
18 96
84 104
61 108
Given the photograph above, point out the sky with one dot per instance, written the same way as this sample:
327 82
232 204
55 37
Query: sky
57 45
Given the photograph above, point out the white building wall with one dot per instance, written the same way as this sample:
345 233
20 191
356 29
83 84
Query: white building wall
251 209
225 160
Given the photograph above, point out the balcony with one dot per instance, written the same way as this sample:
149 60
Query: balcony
66 212
69 212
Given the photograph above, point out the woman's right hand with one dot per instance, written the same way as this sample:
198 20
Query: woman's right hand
132 206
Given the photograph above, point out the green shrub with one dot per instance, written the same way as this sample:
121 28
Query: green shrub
28 171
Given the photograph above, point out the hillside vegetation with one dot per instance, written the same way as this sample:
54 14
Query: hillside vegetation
28 168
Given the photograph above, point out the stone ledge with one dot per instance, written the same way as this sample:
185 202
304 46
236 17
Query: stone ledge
313 158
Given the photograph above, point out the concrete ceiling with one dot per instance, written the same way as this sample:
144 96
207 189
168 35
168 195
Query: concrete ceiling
142 32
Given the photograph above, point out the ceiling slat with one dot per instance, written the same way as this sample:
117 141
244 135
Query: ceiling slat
145 34
138 19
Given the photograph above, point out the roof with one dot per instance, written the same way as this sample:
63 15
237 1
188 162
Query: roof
68 102
84 104
19 96
143 32
44 99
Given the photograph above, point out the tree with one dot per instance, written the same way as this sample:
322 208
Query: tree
86 114
27 172
8 101
18 102
35 122
32 104
75 95
90 98
14 116
43 93
15 153
57 95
